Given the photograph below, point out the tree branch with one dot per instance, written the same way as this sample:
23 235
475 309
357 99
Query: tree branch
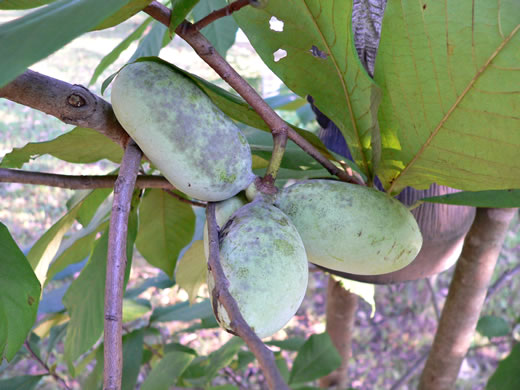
72 104
264 355
465 298
220 13
52 373
77 182
208 53
116 265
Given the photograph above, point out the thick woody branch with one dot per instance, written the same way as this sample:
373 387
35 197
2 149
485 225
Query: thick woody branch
72 104
220 13
239 326
465 298
77 182
208 53
116 265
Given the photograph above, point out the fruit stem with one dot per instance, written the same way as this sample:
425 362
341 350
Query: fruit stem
279 144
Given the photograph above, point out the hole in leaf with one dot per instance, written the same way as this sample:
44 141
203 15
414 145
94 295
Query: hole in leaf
318 53
279 54
275 24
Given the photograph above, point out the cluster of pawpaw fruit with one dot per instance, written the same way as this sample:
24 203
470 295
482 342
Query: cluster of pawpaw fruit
265 242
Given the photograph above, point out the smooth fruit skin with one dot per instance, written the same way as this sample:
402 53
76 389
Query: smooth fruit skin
264 259
351 228
196 146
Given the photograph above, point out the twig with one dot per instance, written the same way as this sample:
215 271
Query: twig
502 281
72 104
58 378
264 355
220 13
77 182
116 265
434 298
185 200
208 54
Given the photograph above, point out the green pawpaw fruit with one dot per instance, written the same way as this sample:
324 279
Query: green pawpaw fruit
264 259
351 228
194 144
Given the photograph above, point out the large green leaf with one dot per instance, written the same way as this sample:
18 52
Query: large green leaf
34 36
132 357
126 12
180 9
79 145
166 372
192 270
166 225
320 60
221 33
23 4
24 382
506 376
491 198
316 358
451 85
85 297
182 312
19 296
111 57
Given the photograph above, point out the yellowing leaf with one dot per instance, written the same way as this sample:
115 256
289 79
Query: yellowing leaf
192 269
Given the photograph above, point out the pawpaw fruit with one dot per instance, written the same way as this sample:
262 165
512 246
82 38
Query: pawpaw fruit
264 259
351 228
194 144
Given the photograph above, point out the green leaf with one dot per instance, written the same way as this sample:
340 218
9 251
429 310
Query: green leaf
450 81
111 57
182 312
134 309
166 225
126 12
493 199
34 36
152 43
492 326
281 363
93 381
192 270
166 372
24 382
19 295
161 281
79 145
221 33
44 250
91 206
506 376
366 291
23 4
222 357
316 358
321 60
85 297
292 344
181 8
132 357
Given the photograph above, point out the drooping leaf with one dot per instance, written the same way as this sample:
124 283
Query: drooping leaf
134 309
79 145
181 8
111 57
491 198
152 43
182 312
166 225
506 376
221 33
493 326
192 269
19 295
222 357
316 358
34 36
124 13
24 382
450 81
132 357
23 4
319 58
166 372
85 297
